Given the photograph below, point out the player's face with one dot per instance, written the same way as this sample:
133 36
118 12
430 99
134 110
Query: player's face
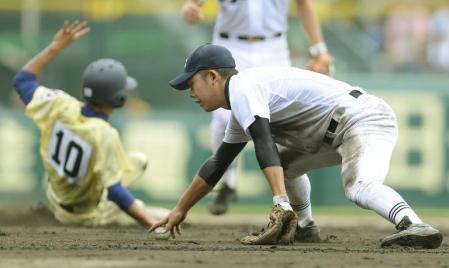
203 91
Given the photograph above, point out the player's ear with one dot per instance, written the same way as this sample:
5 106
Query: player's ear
214 75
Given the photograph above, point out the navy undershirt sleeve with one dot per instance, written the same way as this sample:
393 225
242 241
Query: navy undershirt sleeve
25 84
121 196
213 169
266 151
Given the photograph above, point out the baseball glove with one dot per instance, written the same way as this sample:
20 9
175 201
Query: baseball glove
280 230
322 63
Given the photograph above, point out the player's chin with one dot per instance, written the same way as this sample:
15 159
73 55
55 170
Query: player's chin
207 108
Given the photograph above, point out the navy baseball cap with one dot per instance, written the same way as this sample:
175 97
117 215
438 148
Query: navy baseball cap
205 57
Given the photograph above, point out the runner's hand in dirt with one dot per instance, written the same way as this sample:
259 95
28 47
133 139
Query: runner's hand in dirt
172 222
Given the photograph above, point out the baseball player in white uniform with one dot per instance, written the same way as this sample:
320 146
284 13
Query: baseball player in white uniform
88 169
319 121
255 33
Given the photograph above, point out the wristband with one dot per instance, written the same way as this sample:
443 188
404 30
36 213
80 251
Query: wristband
278 199
317 49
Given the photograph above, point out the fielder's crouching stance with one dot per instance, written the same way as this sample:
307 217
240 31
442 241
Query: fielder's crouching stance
87 166
317 121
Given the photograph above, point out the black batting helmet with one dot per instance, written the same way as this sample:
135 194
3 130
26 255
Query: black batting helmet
105 82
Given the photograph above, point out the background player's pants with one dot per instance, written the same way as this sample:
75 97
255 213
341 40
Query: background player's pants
365 155
267 53
107 212
270 52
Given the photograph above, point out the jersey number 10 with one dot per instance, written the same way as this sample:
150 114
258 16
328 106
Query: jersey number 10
68 154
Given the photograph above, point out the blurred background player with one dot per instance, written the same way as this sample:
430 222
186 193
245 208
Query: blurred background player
255 33
87 166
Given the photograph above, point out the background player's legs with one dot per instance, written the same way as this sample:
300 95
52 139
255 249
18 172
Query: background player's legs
298 187
297 182
227 191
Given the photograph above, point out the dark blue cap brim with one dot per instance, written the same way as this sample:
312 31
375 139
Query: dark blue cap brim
181 82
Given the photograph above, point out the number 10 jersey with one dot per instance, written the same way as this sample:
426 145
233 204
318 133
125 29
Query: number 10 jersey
82 155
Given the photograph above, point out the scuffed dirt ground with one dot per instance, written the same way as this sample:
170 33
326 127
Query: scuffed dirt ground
34 239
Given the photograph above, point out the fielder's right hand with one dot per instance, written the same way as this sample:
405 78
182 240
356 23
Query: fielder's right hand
172 222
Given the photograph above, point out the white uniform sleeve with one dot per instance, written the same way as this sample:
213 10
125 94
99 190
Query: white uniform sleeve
234 132
247 101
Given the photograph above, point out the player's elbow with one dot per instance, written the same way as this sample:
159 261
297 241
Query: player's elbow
16 81
121 196
267 154
25 84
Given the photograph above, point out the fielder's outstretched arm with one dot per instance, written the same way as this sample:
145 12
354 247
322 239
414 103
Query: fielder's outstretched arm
208 175
126 201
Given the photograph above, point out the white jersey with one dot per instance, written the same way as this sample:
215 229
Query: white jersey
252 17
299 104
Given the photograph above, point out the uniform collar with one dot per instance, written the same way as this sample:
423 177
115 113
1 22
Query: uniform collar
226 92
89 111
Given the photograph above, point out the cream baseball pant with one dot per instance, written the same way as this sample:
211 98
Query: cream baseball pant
364 156
107 212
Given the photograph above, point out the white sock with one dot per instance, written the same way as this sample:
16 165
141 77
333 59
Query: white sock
402 209
383 200
298 190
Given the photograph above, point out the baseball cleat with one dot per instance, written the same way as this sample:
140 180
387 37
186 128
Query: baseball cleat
221 203
418 235
308 234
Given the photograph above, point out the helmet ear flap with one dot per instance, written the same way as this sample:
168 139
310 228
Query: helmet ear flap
120 99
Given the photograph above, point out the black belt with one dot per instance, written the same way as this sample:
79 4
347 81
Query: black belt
76 209
250 38
333 124
68 208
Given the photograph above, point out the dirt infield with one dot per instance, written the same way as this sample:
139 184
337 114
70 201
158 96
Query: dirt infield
34 239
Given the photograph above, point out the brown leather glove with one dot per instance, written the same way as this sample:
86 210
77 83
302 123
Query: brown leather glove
280 230
322 63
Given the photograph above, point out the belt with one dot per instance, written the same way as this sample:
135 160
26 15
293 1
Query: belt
250 38
68 208
333 124
76 209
